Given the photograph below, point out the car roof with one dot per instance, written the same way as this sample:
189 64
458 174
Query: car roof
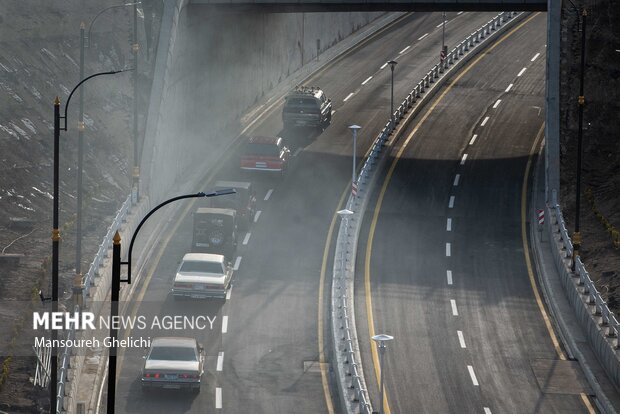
204 257
259 139
213 210
176 341
305 91
233 184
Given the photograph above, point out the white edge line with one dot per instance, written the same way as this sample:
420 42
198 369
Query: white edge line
220 361
472 374
348 97
449 276
257 215
218 397
473 139
246 239
423 36
224 323
455 310
105 374
268 194
237 263
367 80
461 339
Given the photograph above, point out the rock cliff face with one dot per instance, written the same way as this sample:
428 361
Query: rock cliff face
600 203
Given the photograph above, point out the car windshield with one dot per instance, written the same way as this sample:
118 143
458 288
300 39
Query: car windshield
301 103
201 267
269 150
172 353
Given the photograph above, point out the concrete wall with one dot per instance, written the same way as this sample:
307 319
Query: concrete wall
218 65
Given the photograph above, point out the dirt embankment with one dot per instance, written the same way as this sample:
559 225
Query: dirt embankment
39 58
600 201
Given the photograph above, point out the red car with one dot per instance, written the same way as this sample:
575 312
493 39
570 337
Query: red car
265 154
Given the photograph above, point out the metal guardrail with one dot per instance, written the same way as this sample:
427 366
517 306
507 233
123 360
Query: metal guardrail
354 392
585 285
104 247
102 253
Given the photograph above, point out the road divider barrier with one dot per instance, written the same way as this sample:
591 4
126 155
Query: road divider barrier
346 357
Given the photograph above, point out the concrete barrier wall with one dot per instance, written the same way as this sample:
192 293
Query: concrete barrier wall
219 65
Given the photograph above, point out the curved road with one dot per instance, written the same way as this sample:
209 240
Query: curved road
445 267
263 351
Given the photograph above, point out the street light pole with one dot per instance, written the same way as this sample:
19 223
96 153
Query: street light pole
136 167
77 285
392 64
581 101
354 128
116 283
56 231
381 339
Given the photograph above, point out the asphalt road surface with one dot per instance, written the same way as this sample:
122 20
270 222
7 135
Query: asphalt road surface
263 351
442 259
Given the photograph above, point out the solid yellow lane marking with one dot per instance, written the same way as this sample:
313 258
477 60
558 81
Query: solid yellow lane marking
373 225
528 262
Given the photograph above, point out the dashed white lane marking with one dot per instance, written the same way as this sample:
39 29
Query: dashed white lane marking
461 339
257 215
455 311
448 250
451 202
521 72
449 225
297 151
484 121
367 80
383 66
348 97
333 111
449 276
423 36
487 410
459 13
404 50
224 323
535 57
269 193
457 178
508 88
246 239
229 292
463 159
497 103
237 263
472 374
220 361
441 24
473 139
218 398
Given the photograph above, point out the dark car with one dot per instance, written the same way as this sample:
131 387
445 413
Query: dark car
243 201
307 106
215 231
265 154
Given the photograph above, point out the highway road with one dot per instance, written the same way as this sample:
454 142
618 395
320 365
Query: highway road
264 350
444 257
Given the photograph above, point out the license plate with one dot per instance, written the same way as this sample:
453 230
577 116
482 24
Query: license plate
193 296
171 376
172 387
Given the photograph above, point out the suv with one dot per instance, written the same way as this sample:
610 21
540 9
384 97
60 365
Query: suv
265 154
215 231
243 201
307 106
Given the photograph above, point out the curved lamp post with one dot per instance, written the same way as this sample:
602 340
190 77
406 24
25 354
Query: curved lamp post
116 283
56 234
